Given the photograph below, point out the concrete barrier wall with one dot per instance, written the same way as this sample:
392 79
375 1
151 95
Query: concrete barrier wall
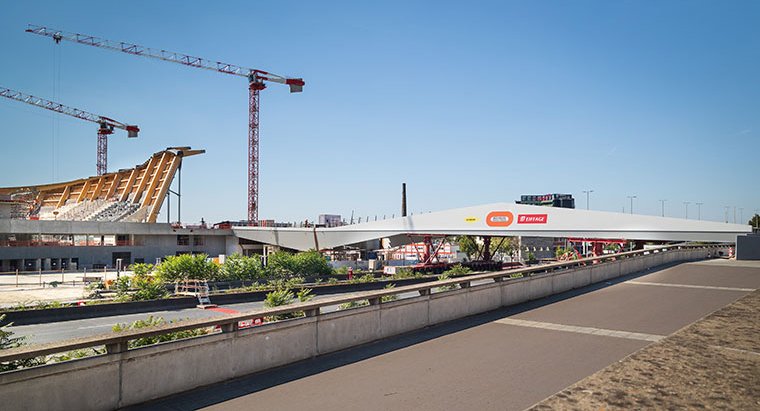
116 380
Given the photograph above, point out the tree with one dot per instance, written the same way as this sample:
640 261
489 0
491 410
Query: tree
280 264
284 264
312 263
468 245
187 267
504 245
755 221
239 267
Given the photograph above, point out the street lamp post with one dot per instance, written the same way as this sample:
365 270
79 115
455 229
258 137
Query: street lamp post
699 211
588 192
726 213
686 203
741 215
631 198
663 207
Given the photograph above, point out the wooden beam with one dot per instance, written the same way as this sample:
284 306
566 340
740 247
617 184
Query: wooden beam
128 188
146 176
176 161
98 188
114 183
156 178
64 196
84 191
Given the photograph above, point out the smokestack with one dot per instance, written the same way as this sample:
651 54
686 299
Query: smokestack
403 199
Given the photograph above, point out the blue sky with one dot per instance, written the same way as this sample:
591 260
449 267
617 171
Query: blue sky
467 103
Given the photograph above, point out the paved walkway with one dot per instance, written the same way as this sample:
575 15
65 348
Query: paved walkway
508 359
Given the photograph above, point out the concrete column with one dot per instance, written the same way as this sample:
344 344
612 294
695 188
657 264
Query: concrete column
37 264
46 266
5 266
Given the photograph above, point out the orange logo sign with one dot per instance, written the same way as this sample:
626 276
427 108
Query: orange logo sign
500 218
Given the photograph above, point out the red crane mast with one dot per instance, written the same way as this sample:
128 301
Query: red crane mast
256 83
106 125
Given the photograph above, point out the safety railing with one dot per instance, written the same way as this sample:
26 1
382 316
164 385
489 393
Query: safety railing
118 342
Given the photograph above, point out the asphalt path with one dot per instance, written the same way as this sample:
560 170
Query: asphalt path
507 359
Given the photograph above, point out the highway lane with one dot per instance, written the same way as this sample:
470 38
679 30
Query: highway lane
505 359
63 330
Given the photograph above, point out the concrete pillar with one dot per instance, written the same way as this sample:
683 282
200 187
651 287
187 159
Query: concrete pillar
5 266
46 266
37 264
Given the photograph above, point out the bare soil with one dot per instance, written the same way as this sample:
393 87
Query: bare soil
713 364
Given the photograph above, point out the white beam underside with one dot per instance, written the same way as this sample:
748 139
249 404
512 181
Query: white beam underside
560 222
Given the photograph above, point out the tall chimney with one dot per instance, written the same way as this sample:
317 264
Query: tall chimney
403 199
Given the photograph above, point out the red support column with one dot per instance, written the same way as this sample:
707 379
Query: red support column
254 87
102 159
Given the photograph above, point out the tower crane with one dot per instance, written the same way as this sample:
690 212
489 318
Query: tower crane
106 125
257 80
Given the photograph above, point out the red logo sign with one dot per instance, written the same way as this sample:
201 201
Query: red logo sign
532 218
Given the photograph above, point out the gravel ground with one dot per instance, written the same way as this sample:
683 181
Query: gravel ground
711 364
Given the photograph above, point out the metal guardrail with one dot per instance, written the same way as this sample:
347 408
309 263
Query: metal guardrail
117 342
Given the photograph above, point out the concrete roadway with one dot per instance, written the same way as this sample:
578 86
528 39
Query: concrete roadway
506 359
58 331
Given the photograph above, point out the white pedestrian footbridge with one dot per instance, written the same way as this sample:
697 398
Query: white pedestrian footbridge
501 219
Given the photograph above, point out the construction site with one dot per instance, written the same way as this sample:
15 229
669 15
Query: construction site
95 221
409 216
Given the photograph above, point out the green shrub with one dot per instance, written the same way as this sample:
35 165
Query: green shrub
152 321
279 298
141 269
139 288
389 298
7 341
151 289
312 263
353 304
304 295
458 269
308 263
367 278
402 273
239 267
446 276
76 354
187 267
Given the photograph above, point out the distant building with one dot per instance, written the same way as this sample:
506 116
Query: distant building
549 200
329 220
